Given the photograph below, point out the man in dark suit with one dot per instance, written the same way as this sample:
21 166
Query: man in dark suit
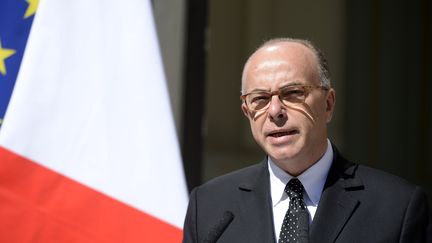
304 190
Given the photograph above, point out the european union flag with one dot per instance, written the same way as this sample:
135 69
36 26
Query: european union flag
16 17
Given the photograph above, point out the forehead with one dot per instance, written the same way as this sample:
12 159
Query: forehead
281 62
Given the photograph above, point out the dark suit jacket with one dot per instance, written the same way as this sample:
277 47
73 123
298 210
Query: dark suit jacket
358 204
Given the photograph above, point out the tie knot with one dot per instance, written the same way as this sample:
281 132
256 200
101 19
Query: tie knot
294 189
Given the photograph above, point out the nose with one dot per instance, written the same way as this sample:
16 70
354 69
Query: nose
276 109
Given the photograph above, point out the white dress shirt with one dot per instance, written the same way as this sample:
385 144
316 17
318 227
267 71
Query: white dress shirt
313 180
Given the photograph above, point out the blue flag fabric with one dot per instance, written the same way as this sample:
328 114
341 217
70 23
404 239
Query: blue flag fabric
16 17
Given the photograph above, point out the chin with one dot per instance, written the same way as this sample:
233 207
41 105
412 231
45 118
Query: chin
285 155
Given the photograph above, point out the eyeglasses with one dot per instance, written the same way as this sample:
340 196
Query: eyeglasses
291 94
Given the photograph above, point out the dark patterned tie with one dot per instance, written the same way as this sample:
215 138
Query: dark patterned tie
295 226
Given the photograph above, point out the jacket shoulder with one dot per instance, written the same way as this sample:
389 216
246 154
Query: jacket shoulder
245 175
381 180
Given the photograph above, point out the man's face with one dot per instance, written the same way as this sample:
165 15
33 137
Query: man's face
293 135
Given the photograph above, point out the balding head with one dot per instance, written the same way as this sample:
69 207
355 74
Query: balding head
321 62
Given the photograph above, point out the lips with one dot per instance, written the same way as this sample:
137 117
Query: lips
282 133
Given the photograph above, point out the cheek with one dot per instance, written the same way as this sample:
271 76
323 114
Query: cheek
256 128
320 112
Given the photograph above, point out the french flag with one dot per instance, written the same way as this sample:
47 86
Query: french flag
88 147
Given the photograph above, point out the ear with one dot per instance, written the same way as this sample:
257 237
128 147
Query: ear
330 104
245 109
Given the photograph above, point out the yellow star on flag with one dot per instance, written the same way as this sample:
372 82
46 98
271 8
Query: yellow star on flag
4 53
31 9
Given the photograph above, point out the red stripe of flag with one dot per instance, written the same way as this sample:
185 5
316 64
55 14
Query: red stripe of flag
40 205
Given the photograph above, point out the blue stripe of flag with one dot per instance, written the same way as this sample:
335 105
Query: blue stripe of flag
14 31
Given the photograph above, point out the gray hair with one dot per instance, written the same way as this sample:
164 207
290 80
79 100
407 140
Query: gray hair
323 68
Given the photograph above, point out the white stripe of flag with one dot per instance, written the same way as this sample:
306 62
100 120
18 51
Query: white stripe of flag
91 103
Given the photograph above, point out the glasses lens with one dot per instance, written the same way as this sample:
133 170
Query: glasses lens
293 94
258 101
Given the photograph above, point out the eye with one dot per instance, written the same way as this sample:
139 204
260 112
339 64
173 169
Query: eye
293 94
258 100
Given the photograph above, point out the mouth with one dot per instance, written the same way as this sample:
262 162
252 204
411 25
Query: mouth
277 134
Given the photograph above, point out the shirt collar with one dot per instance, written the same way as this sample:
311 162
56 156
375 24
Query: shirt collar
313 179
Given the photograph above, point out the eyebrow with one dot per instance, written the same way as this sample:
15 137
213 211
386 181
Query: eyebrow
259 90
295 83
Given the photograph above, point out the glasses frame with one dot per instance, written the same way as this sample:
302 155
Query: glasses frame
306 88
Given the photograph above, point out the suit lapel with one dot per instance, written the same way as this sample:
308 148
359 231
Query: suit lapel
336 204
255 206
